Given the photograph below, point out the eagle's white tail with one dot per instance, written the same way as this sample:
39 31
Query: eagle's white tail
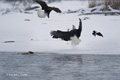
41 14
75 40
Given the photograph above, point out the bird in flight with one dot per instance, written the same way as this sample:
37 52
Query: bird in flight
97 33
46 9
72 35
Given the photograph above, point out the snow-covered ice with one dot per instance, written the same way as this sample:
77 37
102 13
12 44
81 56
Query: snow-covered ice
34 35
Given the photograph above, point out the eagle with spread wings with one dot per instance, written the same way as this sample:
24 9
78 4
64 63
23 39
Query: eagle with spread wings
47 9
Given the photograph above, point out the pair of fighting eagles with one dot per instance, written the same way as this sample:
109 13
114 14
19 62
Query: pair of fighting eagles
72 35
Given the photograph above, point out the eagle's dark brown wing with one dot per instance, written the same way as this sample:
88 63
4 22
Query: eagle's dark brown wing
56 9
65 35
42 3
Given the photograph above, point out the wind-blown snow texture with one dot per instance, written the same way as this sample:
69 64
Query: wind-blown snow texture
31 33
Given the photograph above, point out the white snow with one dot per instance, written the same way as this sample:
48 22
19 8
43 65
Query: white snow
34 35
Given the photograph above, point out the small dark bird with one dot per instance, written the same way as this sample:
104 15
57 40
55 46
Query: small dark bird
97 33
72 35
46 9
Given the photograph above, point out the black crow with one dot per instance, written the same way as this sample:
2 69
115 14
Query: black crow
97 33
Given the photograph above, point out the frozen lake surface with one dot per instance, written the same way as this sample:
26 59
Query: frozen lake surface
53 66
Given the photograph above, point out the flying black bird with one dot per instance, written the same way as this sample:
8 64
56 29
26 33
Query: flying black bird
72 35
46 9
97 33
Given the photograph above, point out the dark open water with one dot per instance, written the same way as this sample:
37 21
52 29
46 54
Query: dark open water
41 66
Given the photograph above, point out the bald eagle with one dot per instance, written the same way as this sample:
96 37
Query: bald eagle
72 35
46 9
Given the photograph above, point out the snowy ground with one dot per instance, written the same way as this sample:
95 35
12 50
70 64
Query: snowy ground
34 35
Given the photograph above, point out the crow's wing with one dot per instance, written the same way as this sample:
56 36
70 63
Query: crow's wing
99 34
42 3
56 9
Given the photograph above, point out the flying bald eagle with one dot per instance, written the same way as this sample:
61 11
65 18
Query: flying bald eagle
72 35
46 9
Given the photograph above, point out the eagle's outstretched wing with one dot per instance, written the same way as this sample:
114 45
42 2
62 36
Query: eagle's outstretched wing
61 34
42 3
56 9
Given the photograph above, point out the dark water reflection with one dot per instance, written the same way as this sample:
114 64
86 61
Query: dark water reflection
59 67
